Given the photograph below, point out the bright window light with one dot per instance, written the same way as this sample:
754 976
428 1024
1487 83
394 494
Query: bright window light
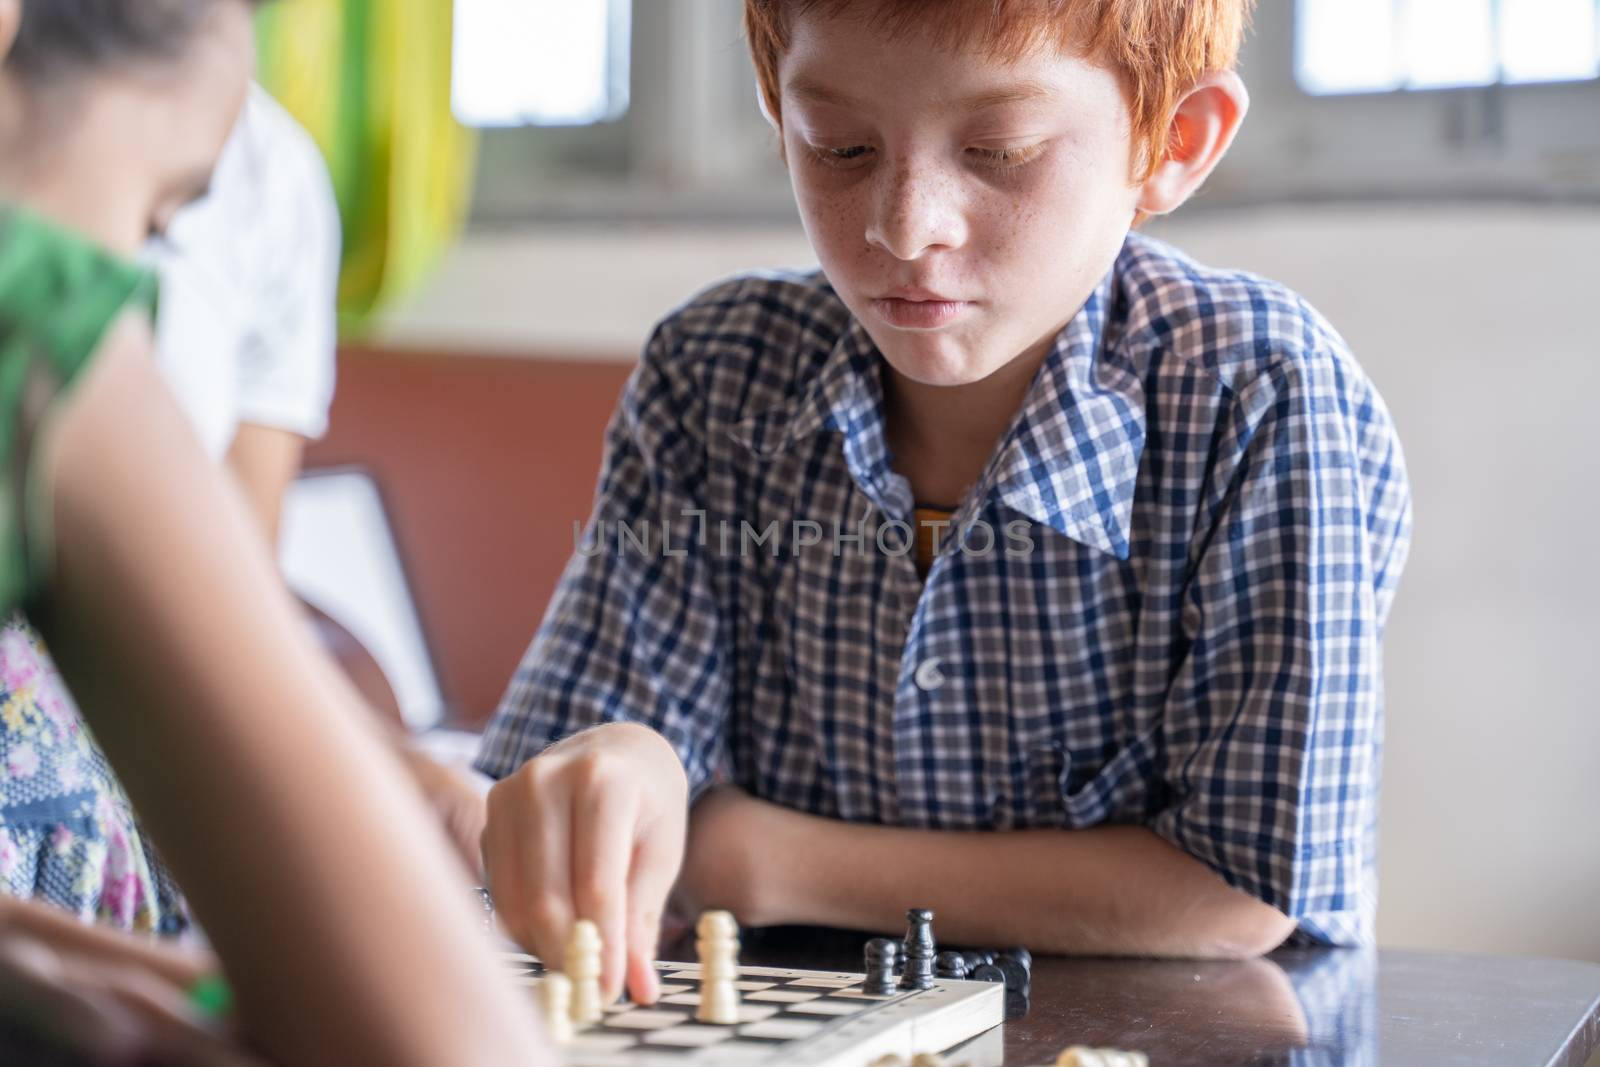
540 62
1549 40
1347 46
1363 46
1448 43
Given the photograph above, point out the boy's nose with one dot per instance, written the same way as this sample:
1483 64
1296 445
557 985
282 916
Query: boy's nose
915 211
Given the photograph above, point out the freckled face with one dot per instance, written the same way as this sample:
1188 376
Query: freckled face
964 207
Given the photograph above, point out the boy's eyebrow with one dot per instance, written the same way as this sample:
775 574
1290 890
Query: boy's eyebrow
806 90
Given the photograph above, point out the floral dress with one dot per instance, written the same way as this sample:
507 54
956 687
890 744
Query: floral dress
67 830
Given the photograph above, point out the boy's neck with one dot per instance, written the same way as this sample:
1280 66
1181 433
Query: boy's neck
942 437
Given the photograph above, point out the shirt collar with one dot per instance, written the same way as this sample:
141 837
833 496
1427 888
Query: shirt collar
1071 458
845 396
1069 461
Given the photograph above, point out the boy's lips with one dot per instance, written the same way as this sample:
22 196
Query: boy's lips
910 308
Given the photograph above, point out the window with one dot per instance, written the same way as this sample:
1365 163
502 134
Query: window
1361 46
551 63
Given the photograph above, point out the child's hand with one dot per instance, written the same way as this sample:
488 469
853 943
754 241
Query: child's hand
457 801
102 1003
591 828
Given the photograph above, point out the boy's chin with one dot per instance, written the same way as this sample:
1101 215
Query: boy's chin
938 362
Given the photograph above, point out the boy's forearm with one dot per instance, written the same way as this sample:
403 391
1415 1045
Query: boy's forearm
1114 890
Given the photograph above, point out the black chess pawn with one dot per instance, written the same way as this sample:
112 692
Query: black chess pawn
1021 955
972 960
919 950
987 972
1019 982
883 956
950 965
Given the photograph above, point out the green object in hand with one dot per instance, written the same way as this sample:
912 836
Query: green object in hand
211 997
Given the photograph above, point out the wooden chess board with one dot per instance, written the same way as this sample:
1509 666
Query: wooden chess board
790 1017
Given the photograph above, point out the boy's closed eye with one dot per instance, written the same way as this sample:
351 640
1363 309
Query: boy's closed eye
995 157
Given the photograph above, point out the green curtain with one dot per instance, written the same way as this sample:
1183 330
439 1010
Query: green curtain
371 80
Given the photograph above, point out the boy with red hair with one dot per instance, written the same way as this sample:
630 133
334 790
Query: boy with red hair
1014 565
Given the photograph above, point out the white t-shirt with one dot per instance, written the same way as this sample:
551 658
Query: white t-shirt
246 328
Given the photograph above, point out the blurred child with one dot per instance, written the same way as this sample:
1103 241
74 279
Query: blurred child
245 751
246 341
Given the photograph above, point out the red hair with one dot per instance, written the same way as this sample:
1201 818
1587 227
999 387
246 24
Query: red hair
1161 48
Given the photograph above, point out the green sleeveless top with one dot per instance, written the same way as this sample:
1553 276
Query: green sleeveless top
59 294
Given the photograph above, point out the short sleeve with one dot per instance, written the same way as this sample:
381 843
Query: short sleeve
287 351
1272 731
633 632
59 297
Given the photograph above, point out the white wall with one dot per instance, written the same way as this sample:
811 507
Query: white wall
580 292
1478 325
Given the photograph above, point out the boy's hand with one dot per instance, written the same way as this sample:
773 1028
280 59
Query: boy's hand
591 828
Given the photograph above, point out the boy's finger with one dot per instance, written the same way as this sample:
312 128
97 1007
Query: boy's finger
656 859
544 898
602 841
502 872
643 942
532 910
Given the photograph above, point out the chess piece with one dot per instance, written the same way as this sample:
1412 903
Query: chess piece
882 959
583 969
987 972
1019 983
919 950
717 943
555 997
1079 1056
972 960
950 965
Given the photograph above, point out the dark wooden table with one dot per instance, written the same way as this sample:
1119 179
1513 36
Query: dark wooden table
1299 1006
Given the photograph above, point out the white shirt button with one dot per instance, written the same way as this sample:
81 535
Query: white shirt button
929 677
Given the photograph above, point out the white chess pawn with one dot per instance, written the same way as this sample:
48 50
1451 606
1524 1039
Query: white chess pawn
555 997
718 947
583 968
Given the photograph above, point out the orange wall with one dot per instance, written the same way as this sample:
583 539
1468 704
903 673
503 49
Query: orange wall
485 462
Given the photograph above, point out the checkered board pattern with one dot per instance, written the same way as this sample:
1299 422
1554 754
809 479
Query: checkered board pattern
812 1018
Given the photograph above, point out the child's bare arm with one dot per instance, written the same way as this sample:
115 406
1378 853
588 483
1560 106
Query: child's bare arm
1110 890
310 861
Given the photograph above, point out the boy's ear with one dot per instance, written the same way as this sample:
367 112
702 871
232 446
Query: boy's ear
1203 126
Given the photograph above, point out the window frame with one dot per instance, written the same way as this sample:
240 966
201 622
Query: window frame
695 150
1499 83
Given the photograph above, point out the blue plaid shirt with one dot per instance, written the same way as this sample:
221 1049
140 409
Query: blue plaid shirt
1161 605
